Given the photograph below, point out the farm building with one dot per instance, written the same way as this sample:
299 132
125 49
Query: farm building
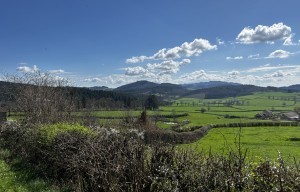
293 116
264 115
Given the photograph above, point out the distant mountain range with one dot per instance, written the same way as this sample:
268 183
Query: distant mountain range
140 89
211 89
202 85
100 88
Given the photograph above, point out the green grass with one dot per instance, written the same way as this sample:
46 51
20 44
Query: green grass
262 142
12 180
216 110
52 130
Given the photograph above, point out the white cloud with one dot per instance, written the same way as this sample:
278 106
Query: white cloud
134 71
267 34
58 71
115 79
26 69
278 74
167 67
233 73
289 41
279 54
220 42
196 75
94 80
200 75
187 49
136 59
235 58
270 68
255 56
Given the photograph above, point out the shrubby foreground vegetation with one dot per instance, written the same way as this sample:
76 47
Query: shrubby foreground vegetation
115 160
80 155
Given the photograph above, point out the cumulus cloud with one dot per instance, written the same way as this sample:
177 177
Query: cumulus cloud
235 58
134 71
167 67
187 49
264 34
196 75
115 79
94 80
279 54
278 74
137 59
26 69
200 75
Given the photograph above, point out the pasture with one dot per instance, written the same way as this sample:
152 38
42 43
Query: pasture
230 110
261 142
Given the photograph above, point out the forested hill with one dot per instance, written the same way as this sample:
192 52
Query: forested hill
292 88
83 97
148 88
209 84
230 91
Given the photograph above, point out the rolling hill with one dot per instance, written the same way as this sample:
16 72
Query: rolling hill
147 88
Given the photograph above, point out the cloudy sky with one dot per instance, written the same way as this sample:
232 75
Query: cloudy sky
114 42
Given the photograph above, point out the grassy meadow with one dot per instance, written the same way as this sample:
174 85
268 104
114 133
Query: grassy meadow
243 109
261 142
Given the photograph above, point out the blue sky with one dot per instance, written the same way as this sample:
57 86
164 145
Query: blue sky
111 43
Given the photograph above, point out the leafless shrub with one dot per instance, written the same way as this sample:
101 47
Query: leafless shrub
42 97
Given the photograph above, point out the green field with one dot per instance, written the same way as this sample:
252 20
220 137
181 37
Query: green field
217 111
244 108
261 142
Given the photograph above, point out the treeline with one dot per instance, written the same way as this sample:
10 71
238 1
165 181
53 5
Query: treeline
231 91
99 99
81 98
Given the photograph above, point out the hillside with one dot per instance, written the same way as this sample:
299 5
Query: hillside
100 88
146 87
292 88
211 90
229 91
203 85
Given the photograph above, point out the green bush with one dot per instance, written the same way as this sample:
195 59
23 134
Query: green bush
50 131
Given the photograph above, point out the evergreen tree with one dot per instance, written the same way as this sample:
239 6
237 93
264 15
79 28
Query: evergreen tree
151 102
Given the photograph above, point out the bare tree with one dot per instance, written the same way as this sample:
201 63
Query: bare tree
42 97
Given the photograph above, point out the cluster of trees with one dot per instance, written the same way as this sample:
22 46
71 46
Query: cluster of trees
41 97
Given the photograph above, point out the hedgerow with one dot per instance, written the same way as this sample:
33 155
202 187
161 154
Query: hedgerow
112 160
